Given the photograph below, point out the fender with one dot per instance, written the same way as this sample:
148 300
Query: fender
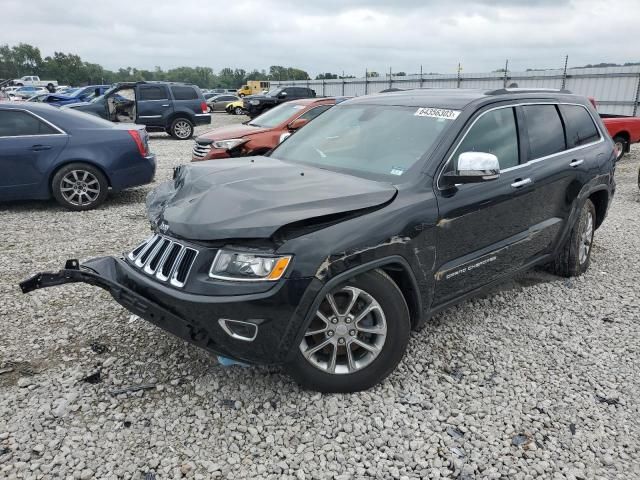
341 277
585 193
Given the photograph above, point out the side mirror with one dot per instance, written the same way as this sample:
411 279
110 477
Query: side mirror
297 123
282 94
475 167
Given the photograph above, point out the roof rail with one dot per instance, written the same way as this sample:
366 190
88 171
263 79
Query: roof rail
506 91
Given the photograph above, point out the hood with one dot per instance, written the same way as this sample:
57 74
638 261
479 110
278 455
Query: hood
253 197
228 132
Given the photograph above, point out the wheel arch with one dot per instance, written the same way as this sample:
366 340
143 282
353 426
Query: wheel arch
68 162
394 266
624 134
181 114
600 200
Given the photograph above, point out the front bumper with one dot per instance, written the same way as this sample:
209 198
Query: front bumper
280 313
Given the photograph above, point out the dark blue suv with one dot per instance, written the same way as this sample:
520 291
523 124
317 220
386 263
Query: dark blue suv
175 108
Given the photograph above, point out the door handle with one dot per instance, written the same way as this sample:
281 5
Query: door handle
521 183
165 105
576 163
39 148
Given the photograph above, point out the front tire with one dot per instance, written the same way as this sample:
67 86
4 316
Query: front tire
238 111
357 336
575 256
181 128
79 186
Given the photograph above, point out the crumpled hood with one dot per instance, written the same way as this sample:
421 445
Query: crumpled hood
229 132
252 197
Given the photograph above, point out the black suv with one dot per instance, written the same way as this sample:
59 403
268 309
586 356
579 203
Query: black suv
254 105
383 211
175 108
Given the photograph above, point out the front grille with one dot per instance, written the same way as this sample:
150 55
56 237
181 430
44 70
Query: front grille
200 150
164 259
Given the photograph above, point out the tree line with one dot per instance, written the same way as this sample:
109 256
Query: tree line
69 69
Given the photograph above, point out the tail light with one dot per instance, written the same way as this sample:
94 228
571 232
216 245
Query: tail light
141 139
203 106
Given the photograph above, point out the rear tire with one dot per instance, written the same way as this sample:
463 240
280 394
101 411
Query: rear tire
621 146
181 128
575 256
79 186
360 351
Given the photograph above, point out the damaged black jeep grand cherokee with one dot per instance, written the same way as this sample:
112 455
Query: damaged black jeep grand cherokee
386 209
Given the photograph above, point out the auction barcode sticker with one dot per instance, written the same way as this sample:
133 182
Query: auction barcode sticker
437 113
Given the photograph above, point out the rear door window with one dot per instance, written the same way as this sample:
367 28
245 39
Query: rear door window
184 93
579 126
495 132
545 130
152 92
15 123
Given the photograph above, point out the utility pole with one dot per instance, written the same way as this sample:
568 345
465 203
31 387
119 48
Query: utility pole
421 79
390 79
459 74
343 83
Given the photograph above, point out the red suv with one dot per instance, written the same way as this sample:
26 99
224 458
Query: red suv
262 133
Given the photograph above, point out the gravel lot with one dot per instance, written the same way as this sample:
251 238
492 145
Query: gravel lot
535 380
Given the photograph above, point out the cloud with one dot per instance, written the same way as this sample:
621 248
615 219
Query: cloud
329 35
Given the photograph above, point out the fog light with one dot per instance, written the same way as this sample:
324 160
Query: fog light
239 330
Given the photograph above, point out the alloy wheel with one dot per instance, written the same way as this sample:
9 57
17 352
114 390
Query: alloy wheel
80 187
347 332
585 239
182 129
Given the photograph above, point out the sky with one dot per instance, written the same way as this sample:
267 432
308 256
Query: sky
330 35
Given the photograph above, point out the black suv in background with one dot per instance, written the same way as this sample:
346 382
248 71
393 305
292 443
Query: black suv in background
254 105
381 212
175 108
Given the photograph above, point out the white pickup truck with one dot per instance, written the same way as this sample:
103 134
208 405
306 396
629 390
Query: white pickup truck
34 81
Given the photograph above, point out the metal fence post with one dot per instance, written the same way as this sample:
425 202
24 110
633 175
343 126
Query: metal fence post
366 81
343 83
390 79
323 87
635 102
421 79
459 72
564 72
506 69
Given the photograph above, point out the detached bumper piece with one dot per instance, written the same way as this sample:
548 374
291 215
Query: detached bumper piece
253 328
135 303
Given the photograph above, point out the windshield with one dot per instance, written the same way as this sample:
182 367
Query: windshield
275 116
375 141
273 92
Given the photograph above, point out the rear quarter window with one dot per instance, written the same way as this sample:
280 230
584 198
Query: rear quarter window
184 93
545 130
579 126
15 123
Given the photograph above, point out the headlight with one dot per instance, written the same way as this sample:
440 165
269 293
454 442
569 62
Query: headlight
241 266
228 144
254 102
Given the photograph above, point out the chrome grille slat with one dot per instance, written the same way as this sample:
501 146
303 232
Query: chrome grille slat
201 150
165 259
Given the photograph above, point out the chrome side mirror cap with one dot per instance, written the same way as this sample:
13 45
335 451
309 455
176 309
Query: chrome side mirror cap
475 167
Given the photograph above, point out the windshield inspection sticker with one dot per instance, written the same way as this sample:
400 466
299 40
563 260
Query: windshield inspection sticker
396 171
437 113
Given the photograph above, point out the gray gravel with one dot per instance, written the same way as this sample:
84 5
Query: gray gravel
536 380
